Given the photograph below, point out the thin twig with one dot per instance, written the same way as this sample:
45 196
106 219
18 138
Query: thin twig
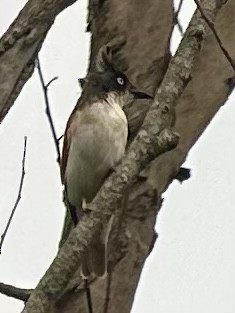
18 196
176 18
60 137
48 110
153 139
51 81
212 27
15 292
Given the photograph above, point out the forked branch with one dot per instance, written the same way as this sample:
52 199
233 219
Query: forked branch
153 139
176 18
217 37
48 109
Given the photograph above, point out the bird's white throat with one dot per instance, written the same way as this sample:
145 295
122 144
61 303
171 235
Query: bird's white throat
114 98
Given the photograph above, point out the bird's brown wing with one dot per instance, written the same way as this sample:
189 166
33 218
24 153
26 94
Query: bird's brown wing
66 144
63 165
67 141
65 153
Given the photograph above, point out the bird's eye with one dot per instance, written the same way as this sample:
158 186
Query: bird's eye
120 81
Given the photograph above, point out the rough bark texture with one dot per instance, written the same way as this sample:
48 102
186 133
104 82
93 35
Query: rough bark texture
17 293
145 62
153 139
146 27
146 57
20 44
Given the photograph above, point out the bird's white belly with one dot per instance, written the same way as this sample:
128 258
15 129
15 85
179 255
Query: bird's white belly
96 147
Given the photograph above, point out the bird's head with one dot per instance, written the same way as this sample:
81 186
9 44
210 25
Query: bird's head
105 80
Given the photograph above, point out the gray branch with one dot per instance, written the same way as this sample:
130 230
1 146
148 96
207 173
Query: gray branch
153 139
217 37
14 292
176 18
48 109
19 47
3 236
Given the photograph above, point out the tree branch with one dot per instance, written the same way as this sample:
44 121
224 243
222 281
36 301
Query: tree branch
70 255
48 110
153 139
19 47
212 27
176 18
15 292
18 196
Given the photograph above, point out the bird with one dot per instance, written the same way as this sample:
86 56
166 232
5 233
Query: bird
95 140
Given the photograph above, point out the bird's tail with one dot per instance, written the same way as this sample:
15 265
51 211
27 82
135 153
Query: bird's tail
95 261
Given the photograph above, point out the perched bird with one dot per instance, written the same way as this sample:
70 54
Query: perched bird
94 142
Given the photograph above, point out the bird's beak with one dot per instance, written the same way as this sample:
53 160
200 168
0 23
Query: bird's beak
140 94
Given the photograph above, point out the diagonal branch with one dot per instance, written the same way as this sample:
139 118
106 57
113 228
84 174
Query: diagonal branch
48 110
20 44
153 139
176 18
3 236
15 292
143 149
212 27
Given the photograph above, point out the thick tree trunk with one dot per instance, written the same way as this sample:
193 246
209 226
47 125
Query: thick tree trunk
142 25
147 27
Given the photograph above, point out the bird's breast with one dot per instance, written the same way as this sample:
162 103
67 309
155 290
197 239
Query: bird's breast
98 140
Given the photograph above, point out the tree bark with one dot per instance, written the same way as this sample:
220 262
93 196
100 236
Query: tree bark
20 45
146 27
145 62
145 58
